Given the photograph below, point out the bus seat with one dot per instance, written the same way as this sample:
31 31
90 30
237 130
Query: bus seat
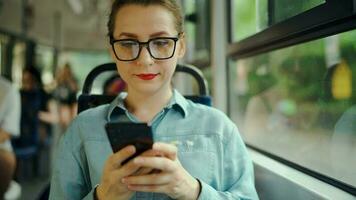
87 100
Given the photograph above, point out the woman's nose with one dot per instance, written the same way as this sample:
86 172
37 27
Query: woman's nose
145 57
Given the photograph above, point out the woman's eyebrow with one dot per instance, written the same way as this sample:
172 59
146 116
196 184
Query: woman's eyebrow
161 33
131 35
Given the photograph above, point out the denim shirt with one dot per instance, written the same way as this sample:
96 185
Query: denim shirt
209 148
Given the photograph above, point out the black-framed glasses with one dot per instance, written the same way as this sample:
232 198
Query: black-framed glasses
160 48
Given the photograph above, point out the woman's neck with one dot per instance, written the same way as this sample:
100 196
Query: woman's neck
145 106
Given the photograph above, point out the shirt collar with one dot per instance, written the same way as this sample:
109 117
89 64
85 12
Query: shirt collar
177 102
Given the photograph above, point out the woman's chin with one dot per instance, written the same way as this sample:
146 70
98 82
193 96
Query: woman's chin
150 87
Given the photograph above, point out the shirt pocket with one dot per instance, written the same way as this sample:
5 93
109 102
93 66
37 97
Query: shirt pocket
198 154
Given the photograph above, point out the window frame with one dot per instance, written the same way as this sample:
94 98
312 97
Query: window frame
332 17
326 19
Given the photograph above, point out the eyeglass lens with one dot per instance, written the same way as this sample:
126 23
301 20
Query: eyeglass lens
159 48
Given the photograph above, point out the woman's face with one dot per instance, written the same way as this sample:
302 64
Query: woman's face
146 75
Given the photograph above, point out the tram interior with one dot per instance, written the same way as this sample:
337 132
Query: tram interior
294 102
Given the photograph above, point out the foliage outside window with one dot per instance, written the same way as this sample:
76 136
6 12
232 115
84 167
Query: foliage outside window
284 9
252 16
301 100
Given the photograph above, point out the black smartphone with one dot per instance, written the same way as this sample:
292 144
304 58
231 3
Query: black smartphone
122 134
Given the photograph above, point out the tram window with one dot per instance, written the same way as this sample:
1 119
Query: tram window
299 103
198 31
283 9
82 62
250 17
245 16
44 61
3 43
189 10
2 56
18 62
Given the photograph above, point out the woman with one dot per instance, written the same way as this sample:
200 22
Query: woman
113 85
209 160
66 95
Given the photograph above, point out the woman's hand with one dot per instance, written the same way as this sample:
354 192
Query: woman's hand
111 186
172 179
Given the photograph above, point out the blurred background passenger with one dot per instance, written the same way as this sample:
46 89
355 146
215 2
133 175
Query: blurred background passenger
33 132
113 85
9 127
34 100
66 95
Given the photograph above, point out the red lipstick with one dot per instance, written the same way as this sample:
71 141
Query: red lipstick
146 77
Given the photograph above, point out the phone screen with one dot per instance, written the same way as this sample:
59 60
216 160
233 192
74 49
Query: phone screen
122 134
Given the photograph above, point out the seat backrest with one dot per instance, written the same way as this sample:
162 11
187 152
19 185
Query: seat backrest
87 100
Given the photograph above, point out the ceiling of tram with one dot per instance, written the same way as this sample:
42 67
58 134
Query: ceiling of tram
67 24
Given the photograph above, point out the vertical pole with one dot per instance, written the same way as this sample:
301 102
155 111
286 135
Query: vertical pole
56 39
218 54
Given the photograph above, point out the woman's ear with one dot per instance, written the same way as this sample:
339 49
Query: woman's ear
182 46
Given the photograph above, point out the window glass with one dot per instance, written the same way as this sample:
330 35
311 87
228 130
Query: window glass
82 63
190 28
244 18
252 16
44 61
2 55
299 103
3 42
197 27
283 9
18 62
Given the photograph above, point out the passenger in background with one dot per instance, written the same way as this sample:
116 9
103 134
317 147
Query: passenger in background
198 151
10 109
66 95
113 85
33 100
